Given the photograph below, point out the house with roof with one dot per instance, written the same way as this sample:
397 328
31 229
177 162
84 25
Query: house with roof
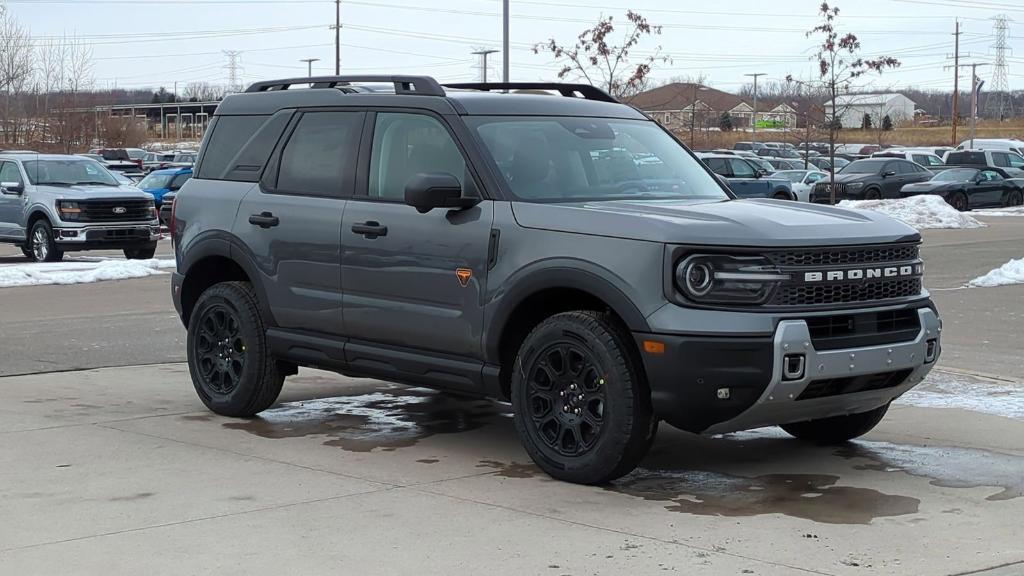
674 104
851 108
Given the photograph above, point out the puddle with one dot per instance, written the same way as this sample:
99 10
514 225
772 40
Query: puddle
812 497
384 420
946 390
946 467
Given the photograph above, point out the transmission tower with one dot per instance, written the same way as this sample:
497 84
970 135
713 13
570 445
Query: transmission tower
999 104
483 53
234 70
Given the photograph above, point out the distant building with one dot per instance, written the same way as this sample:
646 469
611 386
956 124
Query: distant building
851 108
673 104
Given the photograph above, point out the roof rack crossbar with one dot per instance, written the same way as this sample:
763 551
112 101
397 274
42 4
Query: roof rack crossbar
412 85
585 90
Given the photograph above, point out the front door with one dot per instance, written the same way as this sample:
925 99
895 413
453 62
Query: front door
989 190
749 184
409 279
11 202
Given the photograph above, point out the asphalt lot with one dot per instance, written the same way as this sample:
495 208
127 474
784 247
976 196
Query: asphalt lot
122 470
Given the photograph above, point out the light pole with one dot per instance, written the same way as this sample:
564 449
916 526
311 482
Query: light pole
504 42
753 123
309 65
693 110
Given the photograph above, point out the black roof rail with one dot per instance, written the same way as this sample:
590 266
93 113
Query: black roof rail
586 90
418 85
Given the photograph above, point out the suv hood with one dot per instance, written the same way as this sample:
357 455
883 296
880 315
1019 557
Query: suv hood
754 222
87 192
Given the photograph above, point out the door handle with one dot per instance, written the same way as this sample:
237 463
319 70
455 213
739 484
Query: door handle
370 229
264 220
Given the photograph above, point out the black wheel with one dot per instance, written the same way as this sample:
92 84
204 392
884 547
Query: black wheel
228 357
959 201
27 252
1014 198
41 244
782 196
873 194
141 253
837 429
582 407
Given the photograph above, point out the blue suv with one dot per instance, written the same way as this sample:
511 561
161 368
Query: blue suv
160 182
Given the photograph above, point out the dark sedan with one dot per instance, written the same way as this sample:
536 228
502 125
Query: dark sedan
870 179
966 188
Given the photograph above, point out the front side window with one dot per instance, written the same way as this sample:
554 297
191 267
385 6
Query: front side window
569 159
741 169
1016 161
68 172
405 145
991 176
320 153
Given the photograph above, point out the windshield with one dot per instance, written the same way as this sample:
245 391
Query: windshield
958 175
864 167
570 159
68 172
793 176
156 181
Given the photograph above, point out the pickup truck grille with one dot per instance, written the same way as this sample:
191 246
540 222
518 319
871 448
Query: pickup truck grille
865 274
113 210
822 192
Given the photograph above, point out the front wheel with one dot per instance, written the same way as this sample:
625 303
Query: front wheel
582 408
228 356
1015 198
837 429
873 194
41 244
144 252
27 252
782 196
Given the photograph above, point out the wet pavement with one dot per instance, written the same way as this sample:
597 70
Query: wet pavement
343 470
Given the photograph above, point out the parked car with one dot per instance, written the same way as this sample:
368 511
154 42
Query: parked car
761 163
1012 162
968 188
157 161
781 164
484 251
182 159
160 182
857 149
747 180
802 181
1011 144
167 208
870 179
941 150
822 163
752 146
778 153
922 156
51 204
118 161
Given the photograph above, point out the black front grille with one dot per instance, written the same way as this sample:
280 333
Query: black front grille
868 329
851 384
822 192
842 256
117 235
129 210
810 295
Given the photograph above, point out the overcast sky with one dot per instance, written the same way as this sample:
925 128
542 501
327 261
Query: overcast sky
145 43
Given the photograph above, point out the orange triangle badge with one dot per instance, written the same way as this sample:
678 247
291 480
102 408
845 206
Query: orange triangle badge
463 274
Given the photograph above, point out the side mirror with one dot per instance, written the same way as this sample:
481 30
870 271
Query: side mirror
426 191
888 173
12 187
760 173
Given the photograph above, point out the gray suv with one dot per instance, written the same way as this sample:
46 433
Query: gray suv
52 204
560 251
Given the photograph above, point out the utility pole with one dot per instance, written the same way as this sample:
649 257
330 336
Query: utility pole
309 64
956 80
504 42
483 53
337 37
753 122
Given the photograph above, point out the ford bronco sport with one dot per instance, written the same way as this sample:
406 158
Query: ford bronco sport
562 252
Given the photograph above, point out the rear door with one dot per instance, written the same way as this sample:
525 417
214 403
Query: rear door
11 203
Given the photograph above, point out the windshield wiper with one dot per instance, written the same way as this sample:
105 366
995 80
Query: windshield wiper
44 183
94 182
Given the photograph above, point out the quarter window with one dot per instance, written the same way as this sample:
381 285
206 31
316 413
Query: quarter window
405 145
320 154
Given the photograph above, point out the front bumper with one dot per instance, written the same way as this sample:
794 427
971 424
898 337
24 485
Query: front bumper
106 236
712 384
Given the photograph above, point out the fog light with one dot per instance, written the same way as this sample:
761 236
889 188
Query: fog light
793 366
933 347
68 233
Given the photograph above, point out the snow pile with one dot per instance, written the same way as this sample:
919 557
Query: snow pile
79 272
1014 211
921 212
947 390
1010 273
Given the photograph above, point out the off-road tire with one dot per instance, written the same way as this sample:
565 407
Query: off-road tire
144 252
837 429
260 378
41 245
627 425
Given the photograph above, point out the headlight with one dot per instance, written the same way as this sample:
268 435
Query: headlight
68 210
723 279
854 186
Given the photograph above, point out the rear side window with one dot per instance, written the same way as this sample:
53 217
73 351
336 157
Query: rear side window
1001 159
966 158
230 136
320 153
719 166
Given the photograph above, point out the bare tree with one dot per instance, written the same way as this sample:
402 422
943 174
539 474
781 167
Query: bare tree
17 64
839 65
73 70
202 92
596 59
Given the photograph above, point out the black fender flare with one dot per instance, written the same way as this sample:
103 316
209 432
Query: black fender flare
224 245
562 273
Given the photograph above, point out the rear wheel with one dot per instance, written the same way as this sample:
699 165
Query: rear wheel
228 356
582 407
144 252
959 201
1014 198
41 244
837 429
